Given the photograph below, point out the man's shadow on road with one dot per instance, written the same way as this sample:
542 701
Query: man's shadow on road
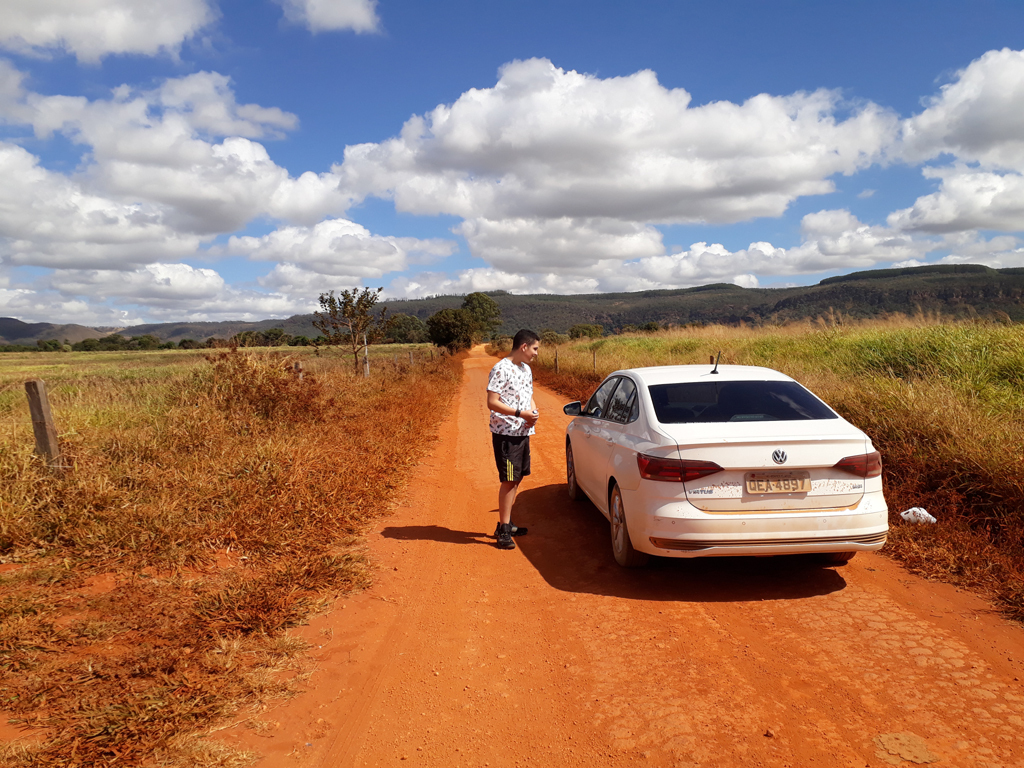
434 533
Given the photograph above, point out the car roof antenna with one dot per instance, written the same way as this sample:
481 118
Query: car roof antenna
713 360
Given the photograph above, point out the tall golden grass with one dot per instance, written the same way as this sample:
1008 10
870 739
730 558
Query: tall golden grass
943 402
220 500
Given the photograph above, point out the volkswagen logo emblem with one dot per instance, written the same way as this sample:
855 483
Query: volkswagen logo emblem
779 456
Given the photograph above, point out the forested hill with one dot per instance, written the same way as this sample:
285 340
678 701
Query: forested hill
956 291
953 290
16 332
963 290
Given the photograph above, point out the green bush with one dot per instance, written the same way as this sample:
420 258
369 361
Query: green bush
452 329
586 331
552 338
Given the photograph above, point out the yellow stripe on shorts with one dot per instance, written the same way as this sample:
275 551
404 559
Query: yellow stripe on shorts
509 463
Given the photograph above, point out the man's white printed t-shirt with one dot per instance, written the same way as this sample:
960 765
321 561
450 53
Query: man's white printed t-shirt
514 385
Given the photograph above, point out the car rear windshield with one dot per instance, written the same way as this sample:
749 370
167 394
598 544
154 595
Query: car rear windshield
702 402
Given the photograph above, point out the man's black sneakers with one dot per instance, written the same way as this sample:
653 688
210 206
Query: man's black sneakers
515 530
504 535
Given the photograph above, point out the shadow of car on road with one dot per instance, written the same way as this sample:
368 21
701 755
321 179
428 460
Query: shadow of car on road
569 543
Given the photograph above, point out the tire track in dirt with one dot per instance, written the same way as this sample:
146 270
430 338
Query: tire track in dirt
462 654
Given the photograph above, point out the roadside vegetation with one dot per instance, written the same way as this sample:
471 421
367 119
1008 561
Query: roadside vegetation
477 319
211 500
942 401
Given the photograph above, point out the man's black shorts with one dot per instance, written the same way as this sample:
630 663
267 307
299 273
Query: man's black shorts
512 456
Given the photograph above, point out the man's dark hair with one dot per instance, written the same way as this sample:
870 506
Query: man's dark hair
524 336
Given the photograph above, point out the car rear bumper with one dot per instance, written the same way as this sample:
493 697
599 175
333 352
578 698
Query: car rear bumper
725 548
679 530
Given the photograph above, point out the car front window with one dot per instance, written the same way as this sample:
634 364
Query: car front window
596 404
729 401
620 404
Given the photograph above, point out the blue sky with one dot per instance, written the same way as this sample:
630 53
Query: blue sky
204 160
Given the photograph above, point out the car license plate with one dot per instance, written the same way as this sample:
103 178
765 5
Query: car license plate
778 482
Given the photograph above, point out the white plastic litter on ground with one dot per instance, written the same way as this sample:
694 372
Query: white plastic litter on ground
917 515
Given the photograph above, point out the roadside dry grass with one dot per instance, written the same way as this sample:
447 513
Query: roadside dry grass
212 502
943 402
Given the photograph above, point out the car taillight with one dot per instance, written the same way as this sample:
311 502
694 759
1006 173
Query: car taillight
674 470
864 465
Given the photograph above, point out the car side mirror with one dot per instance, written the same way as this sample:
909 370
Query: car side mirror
573 408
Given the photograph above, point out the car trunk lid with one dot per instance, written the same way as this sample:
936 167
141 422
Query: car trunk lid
772 466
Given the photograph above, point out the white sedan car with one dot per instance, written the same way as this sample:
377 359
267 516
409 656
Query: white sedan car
691 461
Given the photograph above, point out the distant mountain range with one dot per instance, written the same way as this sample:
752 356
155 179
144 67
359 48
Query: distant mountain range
959 291
16 332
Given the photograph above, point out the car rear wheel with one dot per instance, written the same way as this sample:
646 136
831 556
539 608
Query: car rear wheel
622 547
570 472
838 558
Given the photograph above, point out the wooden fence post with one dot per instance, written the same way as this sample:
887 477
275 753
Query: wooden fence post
410 357
42 422
431 354
595 360
298 370
556 359
366 358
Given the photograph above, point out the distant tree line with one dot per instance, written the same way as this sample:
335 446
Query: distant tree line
115 342
112 343
351 318
403 329
477 320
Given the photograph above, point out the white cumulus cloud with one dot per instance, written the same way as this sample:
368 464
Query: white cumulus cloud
92 29
559 245
206 101
978 120
160 146
550 143
150 293
998 252
50 307
328 15
977 117
832 240
166 285
164 171
47 219
967 199
486 279
333 251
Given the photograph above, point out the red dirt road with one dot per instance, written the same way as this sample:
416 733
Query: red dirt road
550 655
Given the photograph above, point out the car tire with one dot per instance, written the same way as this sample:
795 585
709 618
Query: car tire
570 472
622 546
838 558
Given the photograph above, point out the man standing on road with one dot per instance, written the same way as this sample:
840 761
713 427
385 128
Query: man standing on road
513 416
